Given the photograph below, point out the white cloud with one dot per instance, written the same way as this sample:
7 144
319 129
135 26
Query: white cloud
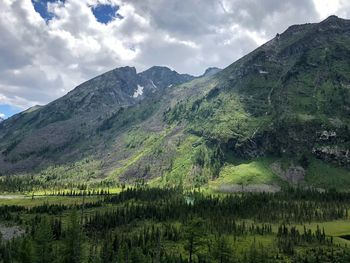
43 60
2 116
326 8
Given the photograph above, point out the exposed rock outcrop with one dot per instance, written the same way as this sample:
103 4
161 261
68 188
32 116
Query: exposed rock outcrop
333 154
293 174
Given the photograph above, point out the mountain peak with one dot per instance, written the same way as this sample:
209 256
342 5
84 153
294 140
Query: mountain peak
333 21
332 18
126 69
211 71
153 68
162 76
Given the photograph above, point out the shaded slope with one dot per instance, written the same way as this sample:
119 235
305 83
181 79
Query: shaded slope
69 128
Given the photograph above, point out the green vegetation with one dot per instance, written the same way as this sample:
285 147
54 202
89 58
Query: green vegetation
145 224
71 173
32 201
181 165
326 176
195 164
252 164
246 173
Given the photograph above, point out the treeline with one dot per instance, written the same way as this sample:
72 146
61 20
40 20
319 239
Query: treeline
27 184
289 207
175 204
289 238
19 184
10 213
51 240
171 225
92 192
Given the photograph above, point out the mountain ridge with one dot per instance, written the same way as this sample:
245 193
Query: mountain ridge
284 100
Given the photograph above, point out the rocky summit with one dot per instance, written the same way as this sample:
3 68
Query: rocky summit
278 115
211 71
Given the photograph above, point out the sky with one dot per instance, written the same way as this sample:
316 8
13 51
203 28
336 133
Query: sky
48 47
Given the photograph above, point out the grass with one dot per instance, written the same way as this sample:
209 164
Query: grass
243 243
50 200
319 174
253 172
322 175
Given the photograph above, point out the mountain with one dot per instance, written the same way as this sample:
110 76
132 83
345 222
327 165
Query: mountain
211 71
278 115
56 132
164 77
1 119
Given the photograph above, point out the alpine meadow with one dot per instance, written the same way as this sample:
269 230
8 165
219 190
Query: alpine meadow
248 163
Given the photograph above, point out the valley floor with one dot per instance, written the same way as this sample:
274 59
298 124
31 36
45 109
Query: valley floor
143 224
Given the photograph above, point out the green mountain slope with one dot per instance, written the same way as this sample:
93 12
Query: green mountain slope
288 100
279 115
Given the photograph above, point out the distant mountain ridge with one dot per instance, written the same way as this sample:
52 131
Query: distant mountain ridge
60 122
124 86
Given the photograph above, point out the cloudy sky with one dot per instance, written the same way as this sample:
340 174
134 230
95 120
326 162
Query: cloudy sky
48 47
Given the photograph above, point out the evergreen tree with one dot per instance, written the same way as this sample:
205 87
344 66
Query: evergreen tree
26 251
222 250
194 233
43 238
73 242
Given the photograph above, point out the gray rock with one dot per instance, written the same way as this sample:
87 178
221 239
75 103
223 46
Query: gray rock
333 154
10 232
293 174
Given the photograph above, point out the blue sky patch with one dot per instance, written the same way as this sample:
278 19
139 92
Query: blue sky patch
105 13
40 7
9 110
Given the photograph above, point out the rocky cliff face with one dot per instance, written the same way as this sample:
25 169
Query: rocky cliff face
163 77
